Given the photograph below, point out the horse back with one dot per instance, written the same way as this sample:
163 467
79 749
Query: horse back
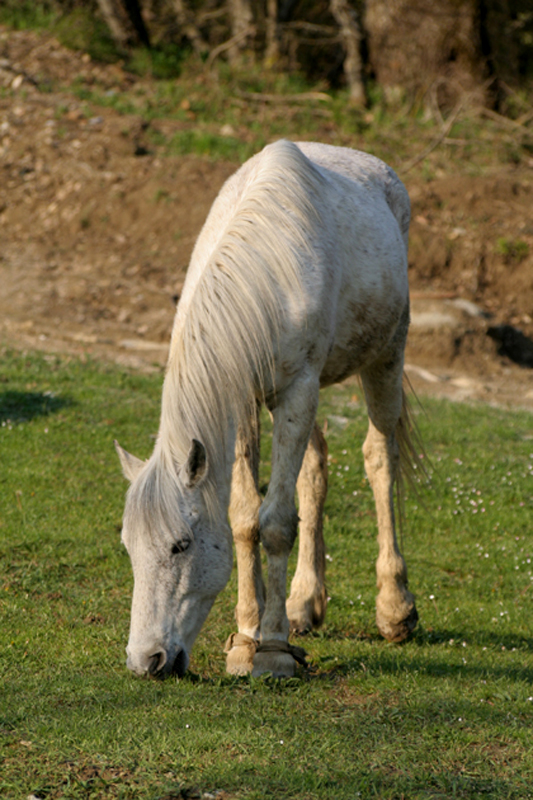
347 292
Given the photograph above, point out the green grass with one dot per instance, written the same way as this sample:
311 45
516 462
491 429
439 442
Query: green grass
202 104
448 714
513 251
27 14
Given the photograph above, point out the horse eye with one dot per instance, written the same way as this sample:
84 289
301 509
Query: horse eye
180 546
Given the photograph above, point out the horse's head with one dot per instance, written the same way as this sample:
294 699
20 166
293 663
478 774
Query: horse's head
181 559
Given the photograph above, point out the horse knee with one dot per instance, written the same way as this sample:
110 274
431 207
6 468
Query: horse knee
277 529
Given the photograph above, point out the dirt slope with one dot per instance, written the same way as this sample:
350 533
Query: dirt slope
96 230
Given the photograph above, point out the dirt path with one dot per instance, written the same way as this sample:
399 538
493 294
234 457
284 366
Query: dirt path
96 231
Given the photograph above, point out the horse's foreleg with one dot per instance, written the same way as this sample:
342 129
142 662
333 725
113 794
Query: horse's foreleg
396 614
244 519
306 606
294 416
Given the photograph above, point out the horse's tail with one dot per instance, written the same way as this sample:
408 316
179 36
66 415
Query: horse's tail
414 466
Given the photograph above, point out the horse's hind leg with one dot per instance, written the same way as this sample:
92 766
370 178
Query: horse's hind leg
306 606
244 518
396 614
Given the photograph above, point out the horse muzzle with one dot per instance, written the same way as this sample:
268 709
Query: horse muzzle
159 663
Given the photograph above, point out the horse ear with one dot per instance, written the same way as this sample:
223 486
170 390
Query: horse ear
131 466
195 469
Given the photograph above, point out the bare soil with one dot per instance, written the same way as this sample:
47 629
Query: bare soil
96 231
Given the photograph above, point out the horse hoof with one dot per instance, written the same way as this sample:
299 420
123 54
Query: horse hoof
280 665
304 615
279 658
300 627
240 651
300 619
398 631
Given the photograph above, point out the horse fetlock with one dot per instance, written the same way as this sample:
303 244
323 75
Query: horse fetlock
396 614
240 652
391 568
249 616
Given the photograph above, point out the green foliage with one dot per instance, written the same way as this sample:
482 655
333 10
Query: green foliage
76 26
80 29
229 111
513 250
204 143
220 118
26 15
121 102
447 714
162 62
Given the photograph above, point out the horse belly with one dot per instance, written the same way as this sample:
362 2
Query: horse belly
373 297
363 336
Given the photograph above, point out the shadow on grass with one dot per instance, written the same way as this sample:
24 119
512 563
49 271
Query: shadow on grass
392 665
410 656
480 638
23 406
424 638
436 783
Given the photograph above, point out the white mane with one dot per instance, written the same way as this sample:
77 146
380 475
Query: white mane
222 354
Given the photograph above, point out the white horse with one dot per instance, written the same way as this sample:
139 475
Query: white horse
298 279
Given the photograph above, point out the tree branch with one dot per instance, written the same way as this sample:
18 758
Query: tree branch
214 54
435 143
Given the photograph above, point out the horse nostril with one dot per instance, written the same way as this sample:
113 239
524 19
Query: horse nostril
156 662
179 667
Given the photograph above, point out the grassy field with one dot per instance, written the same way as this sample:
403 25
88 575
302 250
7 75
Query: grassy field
448 714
